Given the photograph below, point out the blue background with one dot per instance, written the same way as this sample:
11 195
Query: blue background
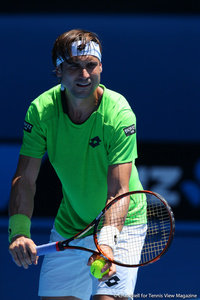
153 61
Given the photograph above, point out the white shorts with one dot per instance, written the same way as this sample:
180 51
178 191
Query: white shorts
66 273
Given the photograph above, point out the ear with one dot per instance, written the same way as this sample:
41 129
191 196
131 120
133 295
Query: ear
101 68
58 71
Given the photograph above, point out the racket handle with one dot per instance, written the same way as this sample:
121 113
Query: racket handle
47 248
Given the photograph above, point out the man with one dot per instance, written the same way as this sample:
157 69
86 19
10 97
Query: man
89 134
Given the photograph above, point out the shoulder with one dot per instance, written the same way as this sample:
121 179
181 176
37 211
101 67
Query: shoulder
47 104
114 98
115 107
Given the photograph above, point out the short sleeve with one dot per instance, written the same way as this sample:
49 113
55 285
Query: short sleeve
34 140
123 145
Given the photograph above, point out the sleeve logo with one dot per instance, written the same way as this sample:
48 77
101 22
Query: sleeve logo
130 130
28 127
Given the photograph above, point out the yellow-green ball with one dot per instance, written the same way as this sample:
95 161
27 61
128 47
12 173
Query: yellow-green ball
96 267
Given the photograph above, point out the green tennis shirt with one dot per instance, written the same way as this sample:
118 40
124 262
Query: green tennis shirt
81 154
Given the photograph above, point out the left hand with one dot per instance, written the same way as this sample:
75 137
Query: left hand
109 265
23 251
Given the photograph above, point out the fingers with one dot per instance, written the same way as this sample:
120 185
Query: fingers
23 252
112 271
92 258
109 265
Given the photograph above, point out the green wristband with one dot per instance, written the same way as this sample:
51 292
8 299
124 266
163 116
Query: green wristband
19 225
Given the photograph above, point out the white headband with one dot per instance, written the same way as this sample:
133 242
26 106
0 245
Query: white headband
91 48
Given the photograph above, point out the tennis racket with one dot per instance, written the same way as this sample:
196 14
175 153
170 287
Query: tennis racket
139 226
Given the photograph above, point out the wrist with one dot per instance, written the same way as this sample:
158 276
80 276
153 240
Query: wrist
16 237
108 236
19 225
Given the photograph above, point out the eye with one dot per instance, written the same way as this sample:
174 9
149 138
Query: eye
74 66
91 65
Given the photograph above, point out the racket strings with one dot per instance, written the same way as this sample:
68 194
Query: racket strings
158 231
138 236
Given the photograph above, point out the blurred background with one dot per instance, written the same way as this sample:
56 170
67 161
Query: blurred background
151 55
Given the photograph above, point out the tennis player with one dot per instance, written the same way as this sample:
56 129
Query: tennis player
89 133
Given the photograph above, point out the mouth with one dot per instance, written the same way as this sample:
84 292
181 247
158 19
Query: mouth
83 85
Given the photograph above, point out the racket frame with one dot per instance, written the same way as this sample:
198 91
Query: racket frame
172 227
63 245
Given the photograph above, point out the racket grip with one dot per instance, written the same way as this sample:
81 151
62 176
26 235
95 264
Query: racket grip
47 248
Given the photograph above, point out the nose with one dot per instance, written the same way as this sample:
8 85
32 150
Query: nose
84 74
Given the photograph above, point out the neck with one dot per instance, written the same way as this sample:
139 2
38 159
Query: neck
79 110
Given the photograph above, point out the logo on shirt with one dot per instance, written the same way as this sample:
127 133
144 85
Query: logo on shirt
130 130
28 127
95 142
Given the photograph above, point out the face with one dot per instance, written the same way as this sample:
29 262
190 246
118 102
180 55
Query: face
80 75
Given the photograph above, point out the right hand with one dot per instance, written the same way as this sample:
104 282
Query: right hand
109 265
23 251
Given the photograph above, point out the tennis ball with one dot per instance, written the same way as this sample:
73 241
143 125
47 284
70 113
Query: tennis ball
96 267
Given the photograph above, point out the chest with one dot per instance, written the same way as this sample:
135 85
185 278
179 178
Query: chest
71 142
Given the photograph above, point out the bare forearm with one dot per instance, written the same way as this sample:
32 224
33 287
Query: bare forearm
117 213
21 204
22 197
118 183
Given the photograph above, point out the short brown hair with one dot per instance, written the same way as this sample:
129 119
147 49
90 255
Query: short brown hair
62 45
